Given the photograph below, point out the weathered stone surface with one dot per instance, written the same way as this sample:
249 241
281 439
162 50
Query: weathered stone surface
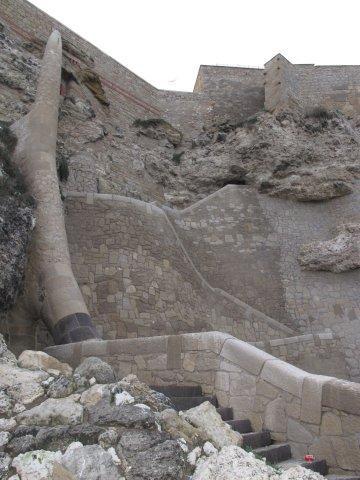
22 385
340 254
231 463
218 432
163 461
178 427
36 464
60 437
142 393
6 356
95 394
94 367
53 411
5 462
275 416
330 424
61 387
95 464
21 444
125 415
298 433
37 360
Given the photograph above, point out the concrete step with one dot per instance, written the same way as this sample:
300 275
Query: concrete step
319 466
179 390
226 413
241 426
184 403
257 439
274 453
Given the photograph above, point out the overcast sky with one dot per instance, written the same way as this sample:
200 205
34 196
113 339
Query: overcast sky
165 41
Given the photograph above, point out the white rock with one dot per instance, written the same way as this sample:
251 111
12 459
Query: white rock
114 456
90 462
22 385
209 449
194 455
143 406
124 398
18 408
37 360
53 411
233 463
218 432
92 381
299 473
36 465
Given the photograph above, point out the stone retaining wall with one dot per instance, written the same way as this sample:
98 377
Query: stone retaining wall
138 280
315 414
321 353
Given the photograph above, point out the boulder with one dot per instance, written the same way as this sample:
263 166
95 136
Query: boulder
209 421
5 462
61 387
37 464
22 385
104 413
90 462
53 411
61 436
36 360
94 394
163 461
21 444
178 427
232 463
94 367
142 393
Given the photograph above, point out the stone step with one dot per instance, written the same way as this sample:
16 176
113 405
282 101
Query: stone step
319 466
274 453
179 390
226 413
257 439
184 403
241 426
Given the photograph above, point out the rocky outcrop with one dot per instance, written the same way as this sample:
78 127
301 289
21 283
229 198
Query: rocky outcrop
16 222
340 254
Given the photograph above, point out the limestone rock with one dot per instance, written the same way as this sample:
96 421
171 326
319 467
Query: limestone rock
37 360
94 367
125 415
340 254
162 461
61 436
232 463
5 462
61 387
22 385
94 395
178 427
37 464
21 444
6 404
217 432
275 416
90 462
142 393
53 411
5 355
299 473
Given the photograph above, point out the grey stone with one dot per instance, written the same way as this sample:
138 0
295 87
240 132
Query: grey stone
123 415
94 367
61 387
21 444
95 464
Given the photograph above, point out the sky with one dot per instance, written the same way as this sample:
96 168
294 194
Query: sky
165 41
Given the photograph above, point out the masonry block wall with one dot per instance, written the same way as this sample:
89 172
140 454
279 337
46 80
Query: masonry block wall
136 279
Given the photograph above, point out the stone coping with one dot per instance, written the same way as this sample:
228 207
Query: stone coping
314 391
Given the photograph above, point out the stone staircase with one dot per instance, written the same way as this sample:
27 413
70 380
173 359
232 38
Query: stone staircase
260 443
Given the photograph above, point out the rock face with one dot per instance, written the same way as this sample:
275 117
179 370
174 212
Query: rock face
16 222
340 254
